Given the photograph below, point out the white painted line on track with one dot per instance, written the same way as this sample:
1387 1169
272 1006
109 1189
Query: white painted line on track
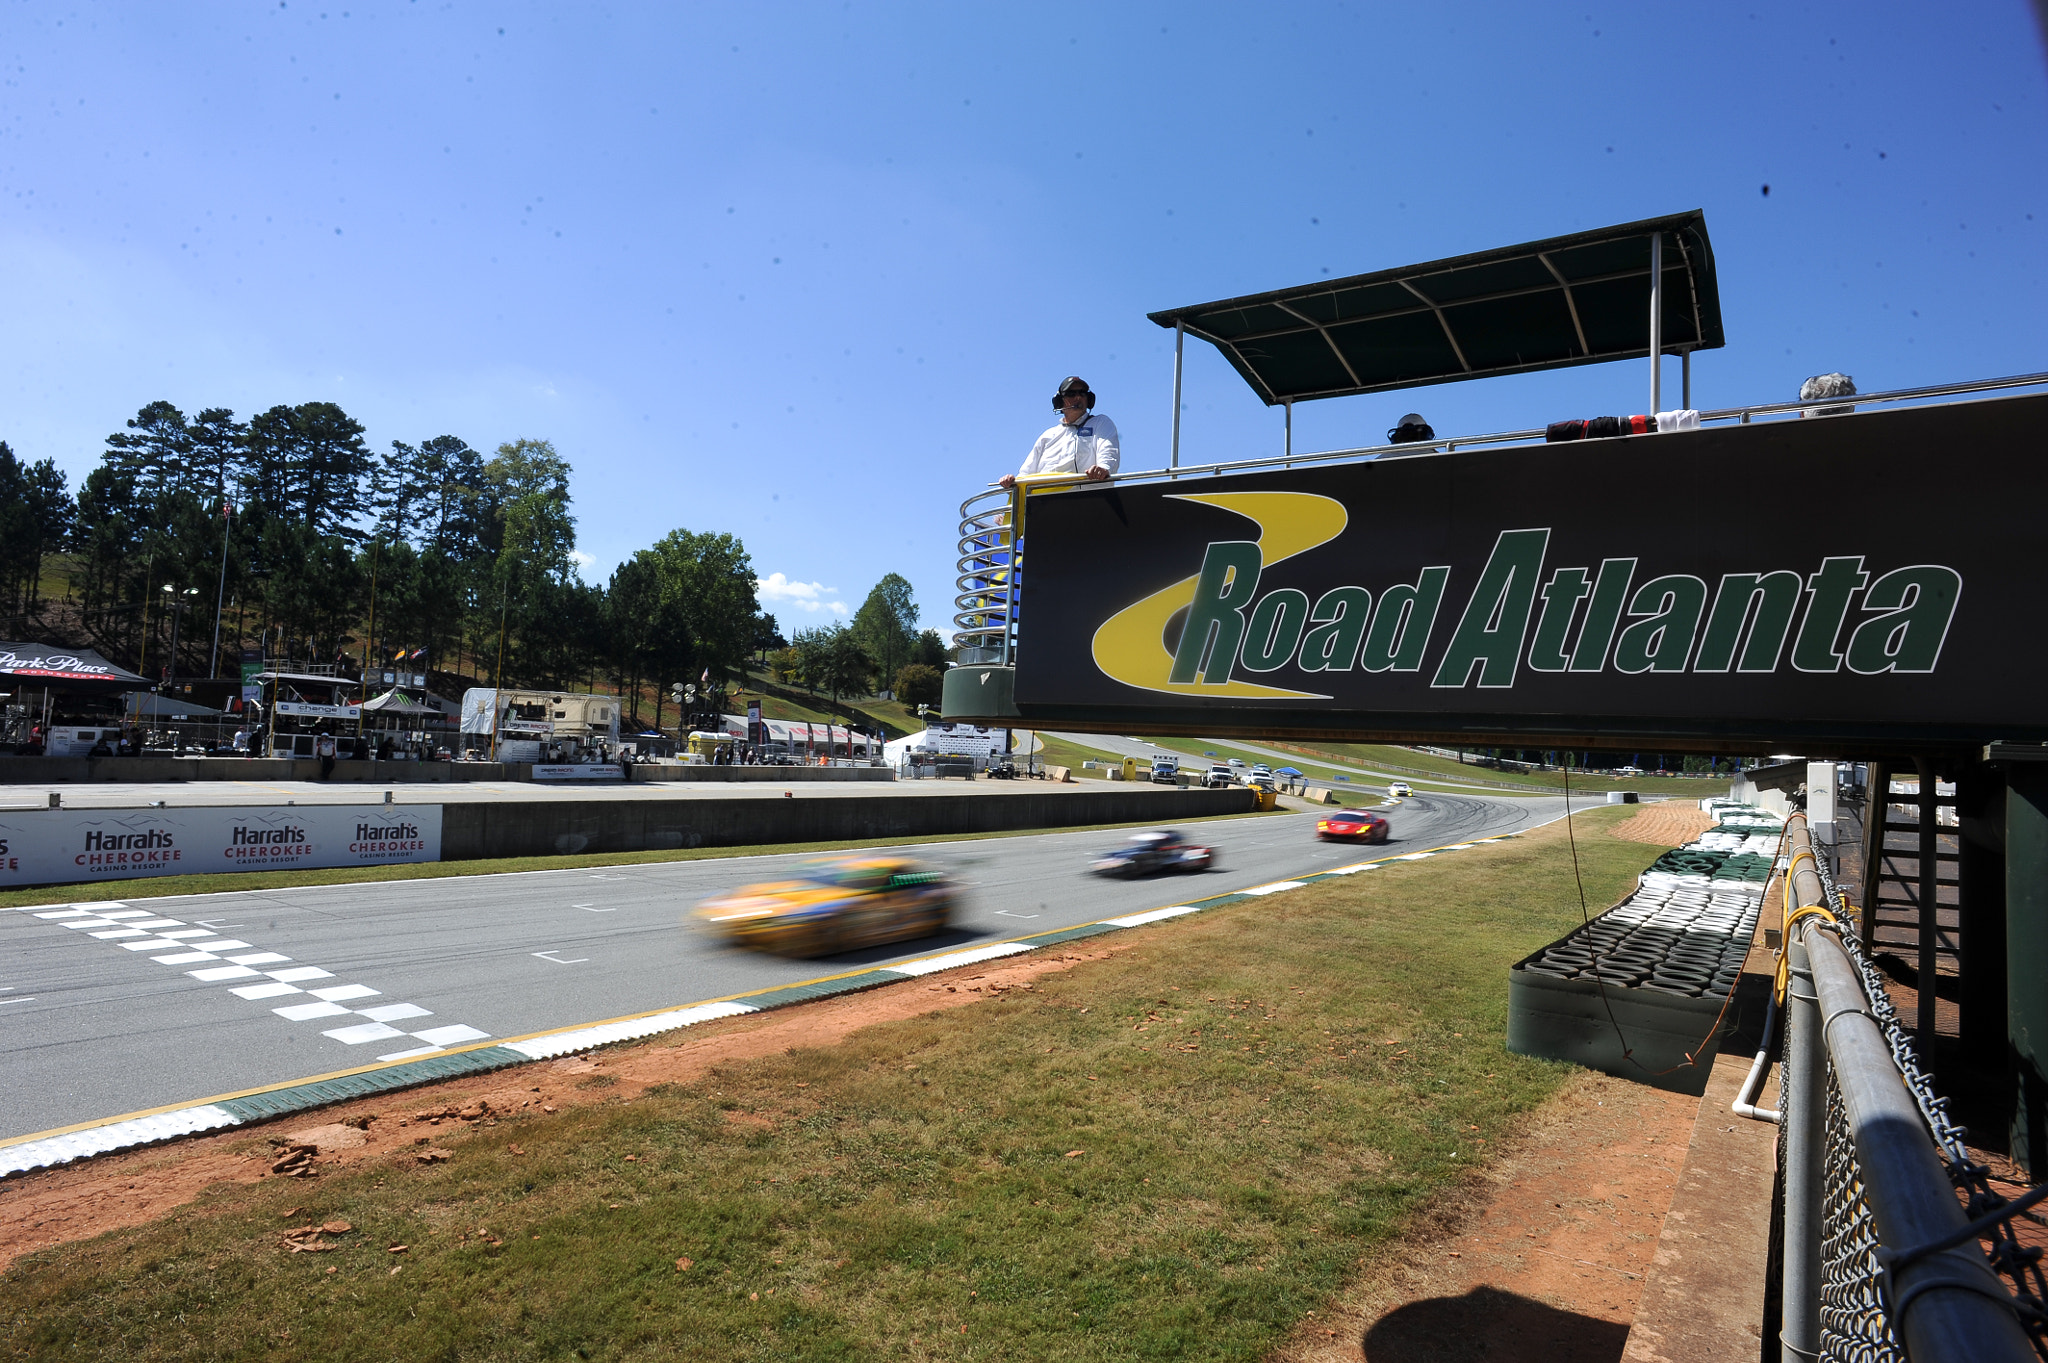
934 964
1138 919
122 1135
626 1029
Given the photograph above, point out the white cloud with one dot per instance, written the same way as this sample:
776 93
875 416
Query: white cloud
581 559
812 597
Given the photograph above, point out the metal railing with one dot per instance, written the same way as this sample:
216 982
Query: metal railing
985 619
985 604
1881 1256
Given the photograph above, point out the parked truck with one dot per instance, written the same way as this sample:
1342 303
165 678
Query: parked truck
1165 770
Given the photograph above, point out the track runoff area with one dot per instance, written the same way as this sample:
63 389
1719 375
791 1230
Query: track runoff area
130 1024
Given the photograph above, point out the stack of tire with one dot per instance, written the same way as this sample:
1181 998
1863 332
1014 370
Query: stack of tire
1678 934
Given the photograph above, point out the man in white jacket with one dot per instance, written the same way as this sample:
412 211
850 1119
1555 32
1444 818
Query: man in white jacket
1080 443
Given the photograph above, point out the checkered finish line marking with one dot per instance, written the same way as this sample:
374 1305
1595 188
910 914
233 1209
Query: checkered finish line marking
444 1055
142 930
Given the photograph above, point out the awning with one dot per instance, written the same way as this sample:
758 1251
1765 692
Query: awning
148 703
76 672
396 702
1551 304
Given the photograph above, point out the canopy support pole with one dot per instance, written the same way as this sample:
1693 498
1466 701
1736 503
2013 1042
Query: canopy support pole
1287 440
1656 322
1179 335
1685 369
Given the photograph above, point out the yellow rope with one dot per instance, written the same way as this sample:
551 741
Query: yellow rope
1782 978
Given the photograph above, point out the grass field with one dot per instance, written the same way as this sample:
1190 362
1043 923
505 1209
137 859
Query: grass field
1374 753
1199 748
1174 1151
1057 752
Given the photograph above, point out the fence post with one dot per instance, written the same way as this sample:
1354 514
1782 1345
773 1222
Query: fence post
1805 1123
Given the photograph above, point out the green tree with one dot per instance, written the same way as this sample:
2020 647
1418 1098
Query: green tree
835 661
529 483
216 454
642 634
919 684
707 594
37 515
930 650
309 464
152 454
886 624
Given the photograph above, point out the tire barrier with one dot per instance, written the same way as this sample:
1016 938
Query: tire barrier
1638 991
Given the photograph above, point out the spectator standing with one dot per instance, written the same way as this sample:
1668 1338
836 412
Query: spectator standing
1079 443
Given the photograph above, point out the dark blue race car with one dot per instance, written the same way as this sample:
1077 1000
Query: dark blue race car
1149 852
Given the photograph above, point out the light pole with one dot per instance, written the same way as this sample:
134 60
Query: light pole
227 513
176 602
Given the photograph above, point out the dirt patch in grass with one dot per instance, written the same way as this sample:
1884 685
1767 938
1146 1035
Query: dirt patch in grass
1539 1258
1176 1148
1671 823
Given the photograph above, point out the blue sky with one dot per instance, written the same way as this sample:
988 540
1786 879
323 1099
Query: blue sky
809 273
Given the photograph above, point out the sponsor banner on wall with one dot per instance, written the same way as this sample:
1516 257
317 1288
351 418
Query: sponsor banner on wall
582 771
305 710
41 847
1876 574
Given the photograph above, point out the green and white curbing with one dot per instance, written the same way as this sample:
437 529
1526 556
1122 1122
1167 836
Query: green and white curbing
131 1133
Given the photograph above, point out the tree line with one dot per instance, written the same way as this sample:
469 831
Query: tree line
323 549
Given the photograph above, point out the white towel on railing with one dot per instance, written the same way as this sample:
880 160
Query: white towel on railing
1684 419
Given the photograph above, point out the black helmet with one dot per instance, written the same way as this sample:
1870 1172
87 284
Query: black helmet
1069 384
1412 429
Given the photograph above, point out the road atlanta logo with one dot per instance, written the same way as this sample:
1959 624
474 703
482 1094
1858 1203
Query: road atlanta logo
1215 634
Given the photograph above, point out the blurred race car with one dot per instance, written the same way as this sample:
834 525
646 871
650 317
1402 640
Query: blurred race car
1149 852
1360 825
1397 789
834 904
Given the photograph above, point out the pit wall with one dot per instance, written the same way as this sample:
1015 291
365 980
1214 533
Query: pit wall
559 827
60 771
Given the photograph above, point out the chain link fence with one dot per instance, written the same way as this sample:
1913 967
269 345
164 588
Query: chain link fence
1887 1265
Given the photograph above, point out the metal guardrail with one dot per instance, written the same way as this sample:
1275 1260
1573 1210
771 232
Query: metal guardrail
985 619
1741 416
1881 1259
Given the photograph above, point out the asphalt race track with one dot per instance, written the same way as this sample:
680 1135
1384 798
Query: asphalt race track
91 1031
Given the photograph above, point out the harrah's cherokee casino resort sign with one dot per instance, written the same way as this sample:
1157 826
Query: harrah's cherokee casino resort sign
1877 574
42 847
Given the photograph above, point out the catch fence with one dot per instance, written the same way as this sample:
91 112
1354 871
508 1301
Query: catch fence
1883 1206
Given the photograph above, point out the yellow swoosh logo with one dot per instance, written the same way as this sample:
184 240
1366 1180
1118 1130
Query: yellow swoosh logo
1130 646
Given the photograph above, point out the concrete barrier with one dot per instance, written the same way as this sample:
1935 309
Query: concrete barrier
64 771
558 827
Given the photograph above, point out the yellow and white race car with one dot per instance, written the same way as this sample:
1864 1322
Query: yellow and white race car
834 904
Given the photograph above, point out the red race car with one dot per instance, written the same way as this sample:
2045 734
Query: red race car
1353 825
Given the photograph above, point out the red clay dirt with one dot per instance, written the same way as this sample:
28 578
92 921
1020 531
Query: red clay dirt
1540 1255
77 1201
1669 823
1539 1258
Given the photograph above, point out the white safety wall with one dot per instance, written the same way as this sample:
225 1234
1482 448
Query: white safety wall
43 847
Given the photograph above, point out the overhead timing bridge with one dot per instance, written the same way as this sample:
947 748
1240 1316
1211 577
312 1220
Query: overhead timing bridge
1751 582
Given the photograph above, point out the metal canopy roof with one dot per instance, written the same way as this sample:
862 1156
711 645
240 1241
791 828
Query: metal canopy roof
1578 299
